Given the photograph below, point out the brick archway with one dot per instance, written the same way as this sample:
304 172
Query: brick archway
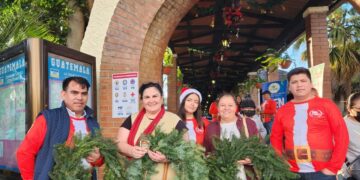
129 35
158 35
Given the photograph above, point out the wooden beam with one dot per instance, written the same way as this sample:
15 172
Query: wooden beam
293 29
264 17
193 37
196 45
241 26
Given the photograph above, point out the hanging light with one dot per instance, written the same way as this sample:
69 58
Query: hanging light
213 81
225 43
212 23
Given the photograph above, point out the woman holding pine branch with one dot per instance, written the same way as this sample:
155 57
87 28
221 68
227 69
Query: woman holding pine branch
190 113
230 126
153 115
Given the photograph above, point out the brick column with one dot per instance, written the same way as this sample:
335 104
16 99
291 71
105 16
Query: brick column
172 96
317 42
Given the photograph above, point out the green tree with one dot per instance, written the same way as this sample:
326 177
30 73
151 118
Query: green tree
17 25
343 35
55 14
343 32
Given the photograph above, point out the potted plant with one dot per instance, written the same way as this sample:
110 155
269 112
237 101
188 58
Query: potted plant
272 59
167 61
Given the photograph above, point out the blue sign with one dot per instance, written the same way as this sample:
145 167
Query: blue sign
12 109
60 69
278 90
13 71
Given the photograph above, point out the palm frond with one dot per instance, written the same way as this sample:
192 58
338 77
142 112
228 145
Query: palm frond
17 25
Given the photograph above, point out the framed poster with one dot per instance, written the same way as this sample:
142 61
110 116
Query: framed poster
13 109
60 68
59 63
125 94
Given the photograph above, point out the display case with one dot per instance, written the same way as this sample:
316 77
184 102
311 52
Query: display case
31 75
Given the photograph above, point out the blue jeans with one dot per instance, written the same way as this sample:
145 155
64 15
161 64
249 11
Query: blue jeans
268 126
316 176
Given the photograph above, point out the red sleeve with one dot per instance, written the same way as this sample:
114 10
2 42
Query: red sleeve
213 108
341 137
29 148
276 135
99 162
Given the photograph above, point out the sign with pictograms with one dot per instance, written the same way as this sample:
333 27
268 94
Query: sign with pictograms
125 94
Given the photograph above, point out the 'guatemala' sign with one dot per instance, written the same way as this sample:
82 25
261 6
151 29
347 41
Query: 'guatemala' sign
60 68
278 90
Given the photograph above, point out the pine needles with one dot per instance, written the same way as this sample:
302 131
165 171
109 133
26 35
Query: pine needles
267 165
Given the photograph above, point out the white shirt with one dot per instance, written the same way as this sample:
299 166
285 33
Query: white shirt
191 131
228 130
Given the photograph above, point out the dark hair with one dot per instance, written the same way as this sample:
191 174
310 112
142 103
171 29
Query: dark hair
149 85
299 70
353 97
266 92
246 103
79 80
226 94
289 97
197 113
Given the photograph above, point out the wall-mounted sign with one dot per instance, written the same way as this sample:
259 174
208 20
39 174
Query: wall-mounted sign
60 68
317 77
125 94
12 109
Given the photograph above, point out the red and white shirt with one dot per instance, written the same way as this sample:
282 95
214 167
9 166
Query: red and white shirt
316 124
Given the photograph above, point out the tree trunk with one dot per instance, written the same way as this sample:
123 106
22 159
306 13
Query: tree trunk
77 27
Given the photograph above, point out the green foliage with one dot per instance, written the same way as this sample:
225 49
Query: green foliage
68 159
272 58
168 58
17 25
54 14
187 159
249 84
267 164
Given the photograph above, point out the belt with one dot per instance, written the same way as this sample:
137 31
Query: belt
304 154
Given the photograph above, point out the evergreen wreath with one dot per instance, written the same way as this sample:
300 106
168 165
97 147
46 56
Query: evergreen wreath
266 163
186 158
68 160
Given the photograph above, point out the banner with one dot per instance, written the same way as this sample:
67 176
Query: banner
60 68
125 94
278 90
317 77
12 109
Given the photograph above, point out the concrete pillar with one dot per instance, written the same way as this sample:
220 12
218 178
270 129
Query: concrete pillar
317 42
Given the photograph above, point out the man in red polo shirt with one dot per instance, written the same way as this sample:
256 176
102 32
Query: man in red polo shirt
268 110
310 131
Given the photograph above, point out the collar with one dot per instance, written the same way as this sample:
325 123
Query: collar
73 114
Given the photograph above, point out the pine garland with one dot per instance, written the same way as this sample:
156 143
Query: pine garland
187 159
68 159
267 164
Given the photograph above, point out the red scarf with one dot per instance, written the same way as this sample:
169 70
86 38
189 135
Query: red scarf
148 130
